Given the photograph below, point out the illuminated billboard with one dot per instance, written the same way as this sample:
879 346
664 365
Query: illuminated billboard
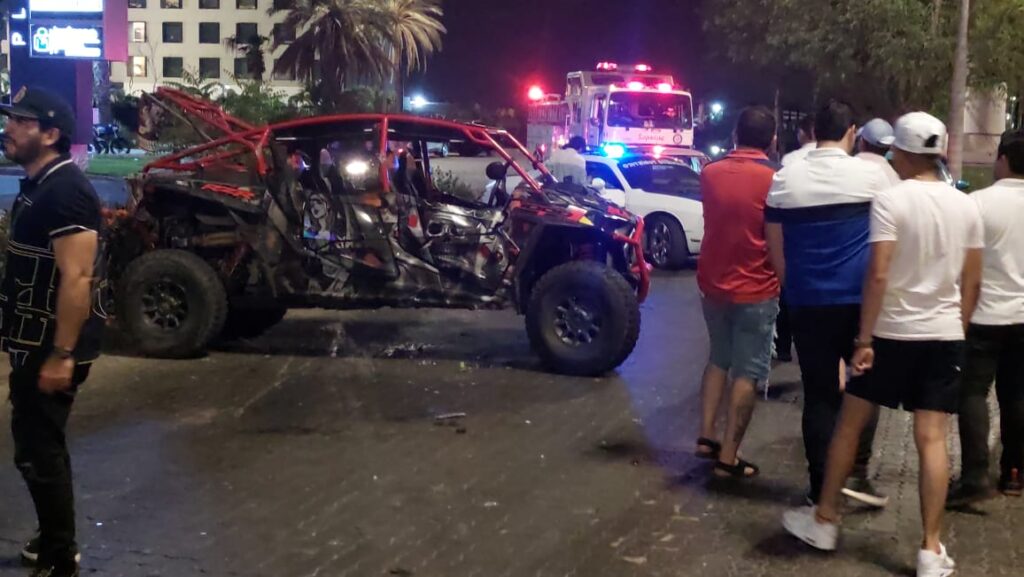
66 29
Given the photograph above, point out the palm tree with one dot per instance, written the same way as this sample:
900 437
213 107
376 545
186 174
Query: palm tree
417 35
340 41
958 94
252 49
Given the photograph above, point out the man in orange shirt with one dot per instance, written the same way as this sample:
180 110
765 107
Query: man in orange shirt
739 288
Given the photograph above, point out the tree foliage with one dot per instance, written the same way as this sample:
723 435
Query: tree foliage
342 43
882 55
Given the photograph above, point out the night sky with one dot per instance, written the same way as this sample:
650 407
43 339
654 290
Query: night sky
495 49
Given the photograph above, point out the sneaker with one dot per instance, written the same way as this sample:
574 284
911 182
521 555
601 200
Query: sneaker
1010 485
30 552
69 569
803 524
961 495
862 490
931 564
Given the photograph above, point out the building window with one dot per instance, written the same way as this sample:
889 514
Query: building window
209 67
174 67
172 32
171 4
209 32
242 68
137 4
138 31
245 4
246 31
284 34
283 75
284 4
209 4
137 67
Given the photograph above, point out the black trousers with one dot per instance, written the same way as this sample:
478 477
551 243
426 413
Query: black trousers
783 332
823 335
993 353
38 422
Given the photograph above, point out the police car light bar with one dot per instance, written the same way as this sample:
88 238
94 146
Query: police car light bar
607 66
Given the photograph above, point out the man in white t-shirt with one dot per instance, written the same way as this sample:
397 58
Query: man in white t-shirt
920 290
995 338
567 164
874 140
805 136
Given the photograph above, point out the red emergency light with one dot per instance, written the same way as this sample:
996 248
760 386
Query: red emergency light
643 68
635 85
535 93
607 66
664 87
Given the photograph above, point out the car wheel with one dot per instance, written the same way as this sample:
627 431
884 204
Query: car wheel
248 323
666 243
172 304
583 319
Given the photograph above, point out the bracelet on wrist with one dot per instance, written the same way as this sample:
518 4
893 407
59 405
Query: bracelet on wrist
861 344
63 353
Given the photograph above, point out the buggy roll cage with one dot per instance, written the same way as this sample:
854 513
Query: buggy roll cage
202 116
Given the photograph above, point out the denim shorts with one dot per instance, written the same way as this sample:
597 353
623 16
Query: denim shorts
741 336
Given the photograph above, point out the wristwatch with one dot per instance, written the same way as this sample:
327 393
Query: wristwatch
859 344
62 353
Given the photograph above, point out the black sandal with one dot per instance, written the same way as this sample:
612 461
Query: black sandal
713 448
737 471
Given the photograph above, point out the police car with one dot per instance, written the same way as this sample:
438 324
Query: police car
665 191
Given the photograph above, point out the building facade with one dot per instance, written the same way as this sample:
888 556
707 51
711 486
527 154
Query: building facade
169 37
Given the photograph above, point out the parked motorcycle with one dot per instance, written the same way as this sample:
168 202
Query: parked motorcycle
107 139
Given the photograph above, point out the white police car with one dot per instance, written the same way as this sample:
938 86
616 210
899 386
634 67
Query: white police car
664 191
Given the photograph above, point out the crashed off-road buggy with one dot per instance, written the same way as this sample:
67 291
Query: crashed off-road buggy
341 212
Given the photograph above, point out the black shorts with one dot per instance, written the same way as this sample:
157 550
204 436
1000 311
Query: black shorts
919 375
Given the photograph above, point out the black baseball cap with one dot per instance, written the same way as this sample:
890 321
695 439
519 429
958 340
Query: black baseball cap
37 104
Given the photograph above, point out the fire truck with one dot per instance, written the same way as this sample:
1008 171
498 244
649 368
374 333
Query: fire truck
614 107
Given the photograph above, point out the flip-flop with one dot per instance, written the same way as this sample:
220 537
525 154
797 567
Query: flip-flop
713 448
737 471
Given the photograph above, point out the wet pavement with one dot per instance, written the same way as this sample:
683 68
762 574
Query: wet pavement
317 450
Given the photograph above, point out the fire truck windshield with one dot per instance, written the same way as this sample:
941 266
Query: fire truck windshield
650 110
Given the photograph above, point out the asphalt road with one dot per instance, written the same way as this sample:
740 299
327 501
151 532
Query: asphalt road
316 450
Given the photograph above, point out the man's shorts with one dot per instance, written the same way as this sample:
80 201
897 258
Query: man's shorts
741 336
917 375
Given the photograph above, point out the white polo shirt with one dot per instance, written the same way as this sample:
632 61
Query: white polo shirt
1002 281
882 163
798 154
933 226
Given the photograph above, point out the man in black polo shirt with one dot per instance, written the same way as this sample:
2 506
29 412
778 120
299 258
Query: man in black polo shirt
49 325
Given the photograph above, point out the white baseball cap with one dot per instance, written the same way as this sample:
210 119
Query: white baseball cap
920 133
877 132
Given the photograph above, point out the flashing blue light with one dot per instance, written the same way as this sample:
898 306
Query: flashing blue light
614 150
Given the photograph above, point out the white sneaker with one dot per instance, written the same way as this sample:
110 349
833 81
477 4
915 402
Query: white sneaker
803 524
931 564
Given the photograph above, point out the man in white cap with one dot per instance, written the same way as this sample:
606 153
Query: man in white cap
920 291
874 140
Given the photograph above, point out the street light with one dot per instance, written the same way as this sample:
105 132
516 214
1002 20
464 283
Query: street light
717 108
418 101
